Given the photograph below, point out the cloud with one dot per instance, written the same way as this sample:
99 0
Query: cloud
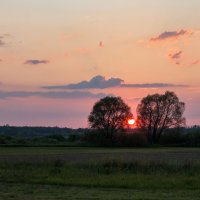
3 38
195 62
152 85
175 57
35 62
174 35
53 95
101 44
136 99
99 82
2 43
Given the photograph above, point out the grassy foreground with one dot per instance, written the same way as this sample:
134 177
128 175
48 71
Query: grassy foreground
102 174
53 192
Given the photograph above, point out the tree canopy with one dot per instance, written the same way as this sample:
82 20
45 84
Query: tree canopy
158 112
109 115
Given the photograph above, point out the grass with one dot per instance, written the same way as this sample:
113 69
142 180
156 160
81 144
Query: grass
51 173
135 175
78 154
53 192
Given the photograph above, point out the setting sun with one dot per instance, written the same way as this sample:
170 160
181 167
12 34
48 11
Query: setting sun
131 121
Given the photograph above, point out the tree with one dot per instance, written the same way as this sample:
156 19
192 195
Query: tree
158 112
109 115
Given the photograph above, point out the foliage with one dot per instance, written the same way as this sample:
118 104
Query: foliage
96 138
89 137
193 137
28 131
158 112
73 137
57 137
109 115
131 139
120 139
174 136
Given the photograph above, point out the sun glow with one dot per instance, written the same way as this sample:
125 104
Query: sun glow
131 121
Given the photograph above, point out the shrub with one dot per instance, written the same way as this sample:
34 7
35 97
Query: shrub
131 139
57 137
122 139
173 136
193 137
73 137
2 140
96 138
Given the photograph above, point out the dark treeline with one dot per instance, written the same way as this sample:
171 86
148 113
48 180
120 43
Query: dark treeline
29 131
37 136
182 136
26 135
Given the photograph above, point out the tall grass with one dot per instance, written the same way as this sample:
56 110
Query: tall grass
113 173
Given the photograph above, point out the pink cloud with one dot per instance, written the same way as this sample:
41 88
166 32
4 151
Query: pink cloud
195 62
176 57
2 43
101 45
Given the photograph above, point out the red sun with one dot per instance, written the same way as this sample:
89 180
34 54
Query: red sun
131 121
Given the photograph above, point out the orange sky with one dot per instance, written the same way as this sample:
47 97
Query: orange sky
56 43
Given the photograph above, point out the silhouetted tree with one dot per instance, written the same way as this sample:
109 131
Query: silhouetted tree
158 112
109 115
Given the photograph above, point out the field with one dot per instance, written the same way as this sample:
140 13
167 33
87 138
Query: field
99 173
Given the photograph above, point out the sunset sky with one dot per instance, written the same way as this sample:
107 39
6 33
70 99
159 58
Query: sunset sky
58 57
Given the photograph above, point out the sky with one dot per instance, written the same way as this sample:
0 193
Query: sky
58 57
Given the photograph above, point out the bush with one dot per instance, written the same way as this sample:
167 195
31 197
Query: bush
4 139
73 137
57 137
122 139
131 139
193 137
173 136
96 138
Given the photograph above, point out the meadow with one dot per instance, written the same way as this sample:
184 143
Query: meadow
99 173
